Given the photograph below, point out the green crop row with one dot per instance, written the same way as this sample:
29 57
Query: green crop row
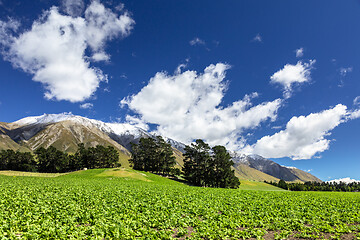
86 207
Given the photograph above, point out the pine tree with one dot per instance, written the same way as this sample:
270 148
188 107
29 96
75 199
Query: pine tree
51 160
209 167
196 163
153 155
223 175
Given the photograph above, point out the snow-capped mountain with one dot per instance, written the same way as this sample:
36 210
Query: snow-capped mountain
122 133
65 131
115 128
346 180
272 168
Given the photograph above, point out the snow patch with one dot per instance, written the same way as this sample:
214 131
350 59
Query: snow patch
289 167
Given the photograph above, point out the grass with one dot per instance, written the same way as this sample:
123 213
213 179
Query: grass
124 173
253 185
30 174
120 204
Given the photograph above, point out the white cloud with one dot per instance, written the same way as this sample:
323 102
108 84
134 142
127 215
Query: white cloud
303 136
257 38
346 180
186 106
100 56
73 7
357 100
354 114
180 67
344 71
197 41
6 30
299 52
53 50
86 106
137 122
291 75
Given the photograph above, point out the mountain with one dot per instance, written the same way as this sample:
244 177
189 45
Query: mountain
65 131
6 142
270 168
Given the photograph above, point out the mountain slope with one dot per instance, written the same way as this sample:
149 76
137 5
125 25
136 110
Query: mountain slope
304 176
243 171
272 168
6 142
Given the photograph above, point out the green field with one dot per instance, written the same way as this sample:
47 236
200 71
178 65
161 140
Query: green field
127 204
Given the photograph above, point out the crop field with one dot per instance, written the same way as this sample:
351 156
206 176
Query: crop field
126 204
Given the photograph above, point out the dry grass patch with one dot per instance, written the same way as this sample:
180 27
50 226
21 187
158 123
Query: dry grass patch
124 173
30 174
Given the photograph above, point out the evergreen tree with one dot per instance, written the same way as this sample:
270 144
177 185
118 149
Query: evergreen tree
153 155
166 159
223 175
95 157
18 161
197 163
51 160
209 167
282 184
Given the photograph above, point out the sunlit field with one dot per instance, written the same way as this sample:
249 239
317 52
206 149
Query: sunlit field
127 204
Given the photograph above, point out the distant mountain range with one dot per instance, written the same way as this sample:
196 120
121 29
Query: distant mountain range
65 131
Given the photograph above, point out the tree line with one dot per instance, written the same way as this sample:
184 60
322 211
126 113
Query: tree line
317 186
51 160
203 165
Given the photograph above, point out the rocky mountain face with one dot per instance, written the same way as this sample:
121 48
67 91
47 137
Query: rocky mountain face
273 169
65 131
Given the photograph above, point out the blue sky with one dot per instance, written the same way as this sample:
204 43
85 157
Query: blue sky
275 78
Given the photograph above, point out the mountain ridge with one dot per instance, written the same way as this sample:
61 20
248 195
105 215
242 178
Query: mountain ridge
65 131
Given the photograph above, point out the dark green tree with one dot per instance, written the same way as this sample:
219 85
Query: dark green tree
18 161
164 153
209 167
25 162
94 157
52 160
197 163
153 155
222 174
282 184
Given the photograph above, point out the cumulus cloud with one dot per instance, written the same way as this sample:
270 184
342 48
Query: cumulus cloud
299 52
257 38
304 136
291 75
354 114
346 180
197 41
54 49
73 7
6 30
186 106
87 106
